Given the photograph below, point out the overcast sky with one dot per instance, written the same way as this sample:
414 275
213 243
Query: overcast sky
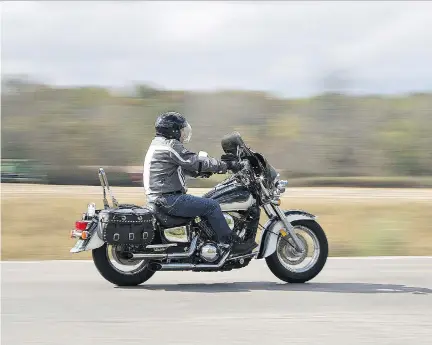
282 47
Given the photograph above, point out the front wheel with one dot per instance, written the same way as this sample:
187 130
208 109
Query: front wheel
118 270
293 267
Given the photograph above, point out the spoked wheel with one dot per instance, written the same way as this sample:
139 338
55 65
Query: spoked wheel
291 266
117 269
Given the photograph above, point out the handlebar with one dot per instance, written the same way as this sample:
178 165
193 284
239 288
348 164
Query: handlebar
244 163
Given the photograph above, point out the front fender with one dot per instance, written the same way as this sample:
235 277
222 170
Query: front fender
270 233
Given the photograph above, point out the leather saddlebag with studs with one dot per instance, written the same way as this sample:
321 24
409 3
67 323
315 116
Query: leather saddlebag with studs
127 224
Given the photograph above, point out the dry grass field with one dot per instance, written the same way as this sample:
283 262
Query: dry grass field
36 219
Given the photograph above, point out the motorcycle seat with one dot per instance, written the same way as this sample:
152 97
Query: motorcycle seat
165 219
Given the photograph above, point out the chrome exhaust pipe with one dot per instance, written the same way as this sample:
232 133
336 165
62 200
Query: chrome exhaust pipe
242 256
185 255
155 266
161 246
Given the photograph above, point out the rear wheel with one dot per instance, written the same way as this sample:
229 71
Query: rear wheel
119 270
294 267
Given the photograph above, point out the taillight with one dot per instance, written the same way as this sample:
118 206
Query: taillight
79 231
81 225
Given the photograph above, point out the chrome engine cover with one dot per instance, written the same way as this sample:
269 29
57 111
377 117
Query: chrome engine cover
209 252
176 234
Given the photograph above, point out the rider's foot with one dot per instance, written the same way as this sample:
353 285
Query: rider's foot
244 248
239 248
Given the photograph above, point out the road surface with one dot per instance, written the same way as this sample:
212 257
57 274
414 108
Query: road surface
353 301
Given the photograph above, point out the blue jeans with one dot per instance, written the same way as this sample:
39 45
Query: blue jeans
186 205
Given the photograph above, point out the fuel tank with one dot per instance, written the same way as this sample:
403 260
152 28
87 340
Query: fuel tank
231 197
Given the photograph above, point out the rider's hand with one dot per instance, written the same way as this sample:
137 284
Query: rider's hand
231 162
234 166
228 157
222 167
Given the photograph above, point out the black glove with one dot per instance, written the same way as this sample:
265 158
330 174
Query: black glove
222 167
232 162
234 166
228 157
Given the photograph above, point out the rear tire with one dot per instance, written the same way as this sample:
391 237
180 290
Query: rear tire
114 276
277 267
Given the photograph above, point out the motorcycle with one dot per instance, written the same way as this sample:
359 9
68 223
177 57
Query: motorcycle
130 243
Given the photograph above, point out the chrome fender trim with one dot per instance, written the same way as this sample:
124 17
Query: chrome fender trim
269 235
94 242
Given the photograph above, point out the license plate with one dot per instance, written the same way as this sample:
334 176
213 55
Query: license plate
78 247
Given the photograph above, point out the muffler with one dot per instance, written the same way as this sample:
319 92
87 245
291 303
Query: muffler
156 266
187 254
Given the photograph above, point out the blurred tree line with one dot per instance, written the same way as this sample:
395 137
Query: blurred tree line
328 135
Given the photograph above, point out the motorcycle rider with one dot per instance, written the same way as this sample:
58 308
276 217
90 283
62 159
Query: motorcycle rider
167 162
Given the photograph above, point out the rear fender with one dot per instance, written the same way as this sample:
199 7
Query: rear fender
270 233
92 242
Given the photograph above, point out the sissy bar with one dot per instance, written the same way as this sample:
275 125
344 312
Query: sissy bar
104 183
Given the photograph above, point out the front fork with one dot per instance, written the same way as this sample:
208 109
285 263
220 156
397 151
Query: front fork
274 210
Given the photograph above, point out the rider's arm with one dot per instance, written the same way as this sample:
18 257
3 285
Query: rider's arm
190 161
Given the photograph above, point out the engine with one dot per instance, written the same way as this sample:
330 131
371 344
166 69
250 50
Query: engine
209 252
243 225
236 223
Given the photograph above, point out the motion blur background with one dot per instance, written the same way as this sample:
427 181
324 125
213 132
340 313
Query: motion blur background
332 93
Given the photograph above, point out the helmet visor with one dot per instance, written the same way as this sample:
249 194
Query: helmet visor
186 133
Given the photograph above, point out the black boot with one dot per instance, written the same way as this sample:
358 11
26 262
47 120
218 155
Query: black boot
237 246
243 248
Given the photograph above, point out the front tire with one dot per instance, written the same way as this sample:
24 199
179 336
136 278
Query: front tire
115 275
285 268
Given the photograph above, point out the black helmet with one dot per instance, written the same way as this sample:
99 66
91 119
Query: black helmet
173 125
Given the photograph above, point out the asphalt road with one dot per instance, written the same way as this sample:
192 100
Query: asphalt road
353 301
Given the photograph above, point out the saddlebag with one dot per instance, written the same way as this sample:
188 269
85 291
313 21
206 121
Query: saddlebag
127 224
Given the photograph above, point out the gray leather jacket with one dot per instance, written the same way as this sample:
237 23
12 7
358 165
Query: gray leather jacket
167 162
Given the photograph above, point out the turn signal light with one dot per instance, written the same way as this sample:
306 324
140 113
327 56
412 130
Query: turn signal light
79 234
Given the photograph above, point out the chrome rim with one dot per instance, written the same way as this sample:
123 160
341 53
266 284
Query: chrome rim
293 260
122 265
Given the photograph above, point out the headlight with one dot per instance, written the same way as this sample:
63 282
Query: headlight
280 185
283 183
